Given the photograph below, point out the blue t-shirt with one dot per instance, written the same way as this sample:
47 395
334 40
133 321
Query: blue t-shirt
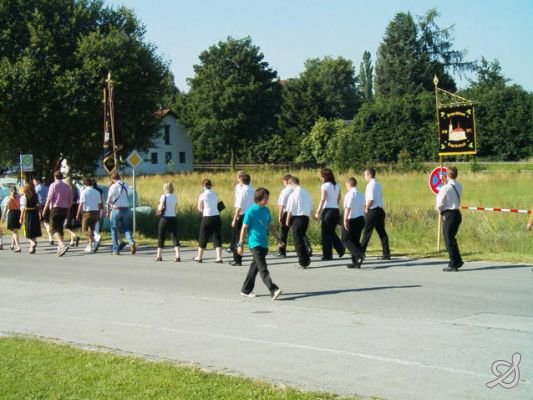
257 219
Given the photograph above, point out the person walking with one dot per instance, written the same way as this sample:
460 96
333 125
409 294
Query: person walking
42 193
282 216
257 223
375 215
236 190
328 213
97 236
353 222
58 202
29 218
211 226
72 222
167 222
449 204
244 200
89 209
119 213
13 218
299 209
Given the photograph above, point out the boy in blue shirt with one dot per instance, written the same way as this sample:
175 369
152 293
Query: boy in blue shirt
257 222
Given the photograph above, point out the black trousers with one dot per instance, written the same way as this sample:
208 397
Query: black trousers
210 227
451 219
375 218
330 239
237 234
258 265
283 234
352 237
299 235
167 224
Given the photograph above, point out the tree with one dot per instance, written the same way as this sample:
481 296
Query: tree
234 98
54 58
503 115
366 77
326 89
412 54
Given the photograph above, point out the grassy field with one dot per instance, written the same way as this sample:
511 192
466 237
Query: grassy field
33 369
411 220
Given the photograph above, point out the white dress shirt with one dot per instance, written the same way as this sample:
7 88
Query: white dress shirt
245 199
284 197
300 202
448 197
355 201
332 195
210 201
373 192
118 195
90 199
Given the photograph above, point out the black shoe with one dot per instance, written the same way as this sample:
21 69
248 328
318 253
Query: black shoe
235 264
384 257
341 253
460 265
229 250
280 254
121 246
450 269
326 258
351 266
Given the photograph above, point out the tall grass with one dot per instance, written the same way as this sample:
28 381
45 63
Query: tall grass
411 219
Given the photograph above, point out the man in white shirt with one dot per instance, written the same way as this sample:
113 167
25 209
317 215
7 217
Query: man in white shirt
448 204
243 201
375 214
120 213
299 209
89 209
353 221
236 189
282 216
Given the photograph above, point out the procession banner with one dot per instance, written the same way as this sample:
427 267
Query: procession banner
457 130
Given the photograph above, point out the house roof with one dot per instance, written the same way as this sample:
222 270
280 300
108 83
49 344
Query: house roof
163 112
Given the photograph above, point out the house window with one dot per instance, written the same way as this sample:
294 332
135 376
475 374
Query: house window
167 134
154 158
168 157
182 157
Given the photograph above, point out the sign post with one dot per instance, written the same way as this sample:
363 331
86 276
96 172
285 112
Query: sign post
436 181
134 160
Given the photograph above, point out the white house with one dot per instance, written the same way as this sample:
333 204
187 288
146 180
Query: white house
172 151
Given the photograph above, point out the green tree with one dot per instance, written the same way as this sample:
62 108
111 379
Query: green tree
327 88
388 126
366 77
233 100
503 115
330 142
412 54
54 58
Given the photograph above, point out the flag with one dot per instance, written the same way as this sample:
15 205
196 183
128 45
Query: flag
109 145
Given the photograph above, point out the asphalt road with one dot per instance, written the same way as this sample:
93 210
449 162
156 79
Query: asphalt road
399 329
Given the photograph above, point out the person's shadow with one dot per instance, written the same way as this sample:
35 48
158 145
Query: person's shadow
301 295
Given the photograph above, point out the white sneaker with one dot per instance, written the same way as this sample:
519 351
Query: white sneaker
276 294
97 237
251 294
88 249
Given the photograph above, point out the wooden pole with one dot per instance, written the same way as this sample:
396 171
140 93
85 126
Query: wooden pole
437 106
112 117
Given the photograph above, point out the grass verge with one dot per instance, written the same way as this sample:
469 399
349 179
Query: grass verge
36 369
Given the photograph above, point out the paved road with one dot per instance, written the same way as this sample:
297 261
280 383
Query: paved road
400 329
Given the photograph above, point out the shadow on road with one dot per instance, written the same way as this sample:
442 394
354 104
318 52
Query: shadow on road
301 295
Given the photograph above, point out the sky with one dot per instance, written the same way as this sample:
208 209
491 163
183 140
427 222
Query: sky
288 32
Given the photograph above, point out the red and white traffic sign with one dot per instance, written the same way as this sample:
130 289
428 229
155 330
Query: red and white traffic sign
437 178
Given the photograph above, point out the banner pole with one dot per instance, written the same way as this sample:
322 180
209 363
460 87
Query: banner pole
134 203
437 106
439 221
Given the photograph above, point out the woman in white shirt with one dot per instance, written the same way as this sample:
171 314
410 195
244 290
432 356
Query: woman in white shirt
328 212
167 221
211 225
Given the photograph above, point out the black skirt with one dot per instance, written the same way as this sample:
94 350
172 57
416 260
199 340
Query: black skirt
32 224
13 219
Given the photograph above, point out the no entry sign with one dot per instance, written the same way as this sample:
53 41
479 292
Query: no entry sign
436 179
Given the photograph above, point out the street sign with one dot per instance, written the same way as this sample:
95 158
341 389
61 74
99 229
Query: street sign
134 159
26 162
436 178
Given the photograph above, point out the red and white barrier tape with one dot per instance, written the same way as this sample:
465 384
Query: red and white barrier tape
511 210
